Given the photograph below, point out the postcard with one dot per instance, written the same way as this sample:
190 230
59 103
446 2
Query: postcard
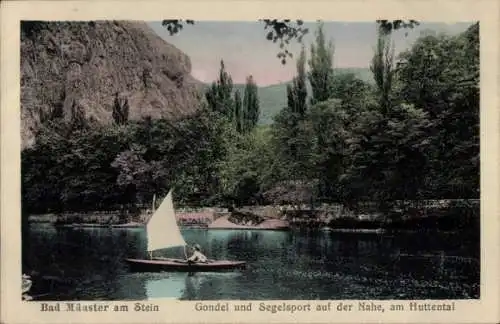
249 162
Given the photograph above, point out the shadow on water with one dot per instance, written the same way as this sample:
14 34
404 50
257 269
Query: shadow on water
89 264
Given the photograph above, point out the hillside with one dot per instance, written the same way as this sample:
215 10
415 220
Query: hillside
273 97
70 68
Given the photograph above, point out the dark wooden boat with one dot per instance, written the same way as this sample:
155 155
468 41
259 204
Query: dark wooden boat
179 265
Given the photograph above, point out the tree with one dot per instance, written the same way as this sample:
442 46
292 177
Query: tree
387 156
219 95
440 73
381 146
290 132
355 94
120 110
382 69
183 155
297 91
329 122
251 109
52 168
238 112
332 122
321 67
247 168
135 173
371 173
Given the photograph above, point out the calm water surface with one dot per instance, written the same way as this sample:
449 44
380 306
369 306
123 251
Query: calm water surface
88 264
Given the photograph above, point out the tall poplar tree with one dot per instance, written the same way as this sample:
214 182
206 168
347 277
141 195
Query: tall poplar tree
238 112
251 106
383 70
291 142
321 67
297 92
219 95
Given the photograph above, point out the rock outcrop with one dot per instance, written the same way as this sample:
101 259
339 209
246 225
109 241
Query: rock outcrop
81 67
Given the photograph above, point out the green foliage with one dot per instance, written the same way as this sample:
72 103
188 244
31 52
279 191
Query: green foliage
354 93
297 91
329 131
251 106
273 98
219 95
52 169
387 155
284 31
321 67
382 68
413 133
225 100
238 112
104 167
441 74
198 181
385 143
290 138
291 143
247 167
175 25
388 26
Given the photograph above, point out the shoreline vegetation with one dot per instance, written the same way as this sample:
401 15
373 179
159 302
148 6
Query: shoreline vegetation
400 142
445 215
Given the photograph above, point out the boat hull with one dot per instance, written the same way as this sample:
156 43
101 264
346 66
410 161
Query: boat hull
178 265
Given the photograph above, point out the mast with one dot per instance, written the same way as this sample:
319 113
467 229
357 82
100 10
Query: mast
154 203
152 212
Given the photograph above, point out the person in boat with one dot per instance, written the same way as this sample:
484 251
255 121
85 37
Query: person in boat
197 256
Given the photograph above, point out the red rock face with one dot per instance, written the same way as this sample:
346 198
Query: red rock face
85 64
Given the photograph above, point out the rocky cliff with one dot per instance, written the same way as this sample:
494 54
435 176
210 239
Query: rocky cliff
84 66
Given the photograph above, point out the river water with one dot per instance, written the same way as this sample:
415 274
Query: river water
87 264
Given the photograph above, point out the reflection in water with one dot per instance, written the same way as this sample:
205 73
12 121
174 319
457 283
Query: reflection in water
281 265
209 285
172 286
187 286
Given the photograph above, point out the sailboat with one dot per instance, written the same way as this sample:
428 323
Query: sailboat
163 233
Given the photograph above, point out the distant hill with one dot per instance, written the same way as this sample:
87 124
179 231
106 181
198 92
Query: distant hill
273 97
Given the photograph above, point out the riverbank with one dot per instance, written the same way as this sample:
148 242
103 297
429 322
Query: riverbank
199 217
442 216
441 220
268 224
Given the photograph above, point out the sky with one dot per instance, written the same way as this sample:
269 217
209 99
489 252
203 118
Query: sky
245 50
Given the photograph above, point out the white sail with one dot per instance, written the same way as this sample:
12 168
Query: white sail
162 229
